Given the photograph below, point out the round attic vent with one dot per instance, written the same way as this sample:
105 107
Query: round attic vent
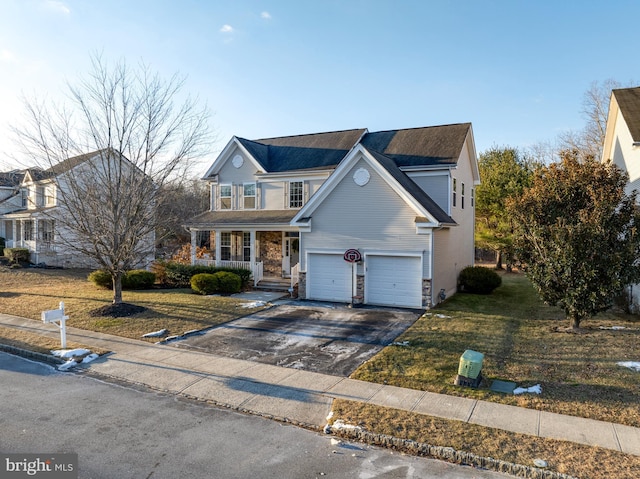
237 161
361 176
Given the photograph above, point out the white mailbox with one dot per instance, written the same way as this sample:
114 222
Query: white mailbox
55 315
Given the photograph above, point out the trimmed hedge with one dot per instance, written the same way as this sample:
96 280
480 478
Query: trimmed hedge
133 279
220 282
478 280
18 255
179 275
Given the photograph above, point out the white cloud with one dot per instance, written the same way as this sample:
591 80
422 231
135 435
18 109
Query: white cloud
265 15
226 29
56 6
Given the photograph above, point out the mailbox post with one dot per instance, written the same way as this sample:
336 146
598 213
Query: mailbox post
54 315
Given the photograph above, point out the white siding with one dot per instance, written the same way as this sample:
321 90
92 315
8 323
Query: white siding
625 155
370 217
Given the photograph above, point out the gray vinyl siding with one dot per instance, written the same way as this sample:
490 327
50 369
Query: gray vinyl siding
372 217
436 186
230 174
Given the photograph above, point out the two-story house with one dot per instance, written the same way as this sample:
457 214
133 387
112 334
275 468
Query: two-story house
33 217
292 206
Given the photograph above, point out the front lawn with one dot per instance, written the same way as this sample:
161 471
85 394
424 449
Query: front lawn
518 335
28 292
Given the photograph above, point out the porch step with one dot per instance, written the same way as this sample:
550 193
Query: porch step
274 284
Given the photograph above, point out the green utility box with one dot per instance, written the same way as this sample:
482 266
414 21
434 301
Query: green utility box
470 364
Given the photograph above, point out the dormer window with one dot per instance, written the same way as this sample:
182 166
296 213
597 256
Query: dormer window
296 194
225 197
24 193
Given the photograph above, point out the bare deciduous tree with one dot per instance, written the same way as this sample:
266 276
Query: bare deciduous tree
121 137
595 108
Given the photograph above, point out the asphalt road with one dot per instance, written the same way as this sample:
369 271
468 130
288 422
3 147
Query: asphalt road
321 337
121 433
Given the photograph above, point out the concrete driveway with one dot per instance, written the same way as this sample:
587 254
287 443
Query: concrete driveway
320 337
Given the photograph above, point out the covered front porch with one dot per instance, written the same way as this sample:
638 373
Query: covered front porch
261 241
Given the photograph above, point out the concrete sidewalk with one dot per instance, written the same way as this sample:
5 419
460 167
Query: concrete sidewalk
304 397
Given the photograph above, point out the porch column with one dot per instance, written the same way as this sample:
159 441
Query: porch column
193 246
218 250
252 242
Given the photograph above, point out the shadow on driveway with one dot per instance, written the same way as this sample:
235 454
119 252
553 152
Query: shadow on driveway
322 337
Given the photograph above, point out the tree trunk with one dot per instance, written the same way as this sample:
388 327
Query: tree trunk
498 259
575 322
117 287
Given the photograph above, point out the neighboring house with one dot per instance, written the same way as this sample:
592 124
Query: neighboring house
622 147
291 206
30 214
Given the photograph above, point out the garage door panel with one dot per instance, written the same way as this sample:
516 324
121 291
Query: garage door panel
394 281
329 277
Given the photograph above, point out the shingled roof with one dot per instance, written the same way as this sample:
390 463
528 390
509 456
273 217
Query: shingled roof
629 103
414 147
302 152
11 178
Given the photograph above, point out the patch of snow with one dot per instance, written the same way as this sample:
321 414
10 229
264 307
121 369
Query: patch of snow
89 358
330 416
403 343
631 365
69 364
615 328
540 463
254 304
339 424
443 316
335 442
70 353
156 334
537 389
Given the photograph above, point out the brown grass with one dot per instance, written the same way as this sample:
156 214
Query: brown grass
518 336
28 292
564 457
38 343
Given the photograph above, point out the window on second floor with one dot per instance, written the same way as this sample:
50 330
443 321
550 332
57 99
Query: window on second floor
296 194
473 197
49 196
249 196
455 192
462 195
39 195
24 193
225 197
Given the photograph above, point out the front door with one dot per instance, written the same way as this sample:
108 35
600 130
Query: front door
291 255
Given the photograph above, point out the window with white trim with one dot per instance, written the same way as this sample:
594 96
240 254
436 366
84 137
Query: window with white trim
225 197
455 192
246 246
225 246
49 196
24 193
249 196
45 230
29 230
462 195
296 194
473 197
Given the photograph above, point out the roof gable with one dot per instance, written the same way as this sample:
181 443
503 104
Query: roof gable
628 100
389 171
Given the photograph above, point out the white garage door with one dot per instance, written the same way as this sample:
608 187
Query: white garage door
328 277
394 281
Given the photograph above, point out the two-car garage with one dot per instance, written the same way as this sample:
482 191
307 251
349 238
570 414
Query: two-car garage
389 280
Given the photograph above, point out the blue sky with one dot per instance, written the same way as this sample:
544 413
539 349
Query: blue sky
516 70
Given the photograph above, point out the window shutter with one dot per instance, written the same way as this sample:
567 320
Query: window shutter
286 195
305 189
241 196
258 196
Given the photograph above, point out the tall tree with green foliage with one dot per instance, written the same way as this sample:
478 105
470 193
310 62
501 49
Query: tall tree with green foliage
576 230
503 173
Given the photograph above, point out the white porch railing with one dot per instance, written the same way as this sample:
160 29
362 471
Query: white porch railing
295 275
255 268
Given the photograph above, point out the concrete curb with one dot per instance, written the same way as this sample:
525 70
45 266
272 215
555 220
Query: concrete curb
450 454
25 353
